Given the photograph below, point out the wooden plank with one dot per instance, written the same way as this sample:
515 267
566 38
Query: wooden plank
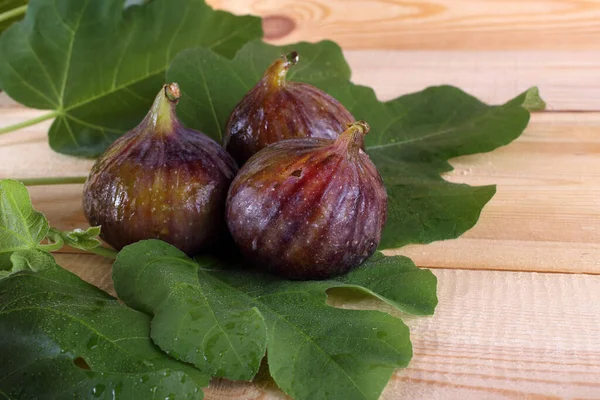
544 217
495 335
568 80
504 335
431 25
26 153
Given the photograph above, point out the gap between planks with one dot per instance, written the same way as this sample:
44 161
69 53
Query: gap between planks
494 335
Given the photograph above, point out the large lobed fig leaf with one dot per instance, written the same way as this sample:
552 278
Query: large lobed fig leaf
61 337
221 316
99 66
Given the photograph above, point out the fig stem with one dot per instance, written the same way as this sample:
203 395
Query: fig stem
15 12
162 114
29 122
361 125
276 73
62 180
353 137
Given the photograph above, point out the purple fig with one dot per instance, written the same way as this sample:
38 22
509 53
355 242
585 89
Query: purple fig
309 208
276 109
160 180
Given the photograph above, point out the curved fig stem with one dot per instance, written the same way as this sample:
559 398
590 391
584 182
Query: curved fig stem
15 12
353 137
29 122
275 74
63 180
161 119
56 242
361 125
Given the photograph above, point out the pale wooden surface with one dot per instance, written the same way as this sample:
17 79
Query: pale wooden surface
501 330
430 25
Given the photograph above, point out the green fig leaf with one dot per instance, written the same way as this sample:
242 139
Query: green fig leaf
62 337
21 227
28 260
197 318
394 280
411 137
98 66
315 351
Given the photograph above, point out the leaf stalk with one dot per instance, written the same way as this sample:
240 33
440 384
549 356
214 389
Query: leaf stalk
56 242
15 12
29 122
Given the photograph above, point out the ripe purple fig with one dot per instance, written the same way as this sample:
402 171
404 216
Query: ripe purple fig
309 208
276 109
160 180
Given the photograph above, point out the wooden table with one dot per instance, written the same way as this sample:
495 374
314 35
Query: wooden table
519 311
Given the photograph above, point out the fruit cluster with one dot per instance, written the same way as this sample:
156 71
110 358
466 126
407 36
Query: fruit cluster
307 202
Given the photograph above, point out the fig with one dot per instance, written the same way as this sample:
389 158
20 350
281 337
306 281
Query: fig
160 180
308 208
276 109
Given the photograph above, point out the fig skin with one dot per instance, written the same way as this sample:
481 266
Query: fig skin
160 181
276 109
309 208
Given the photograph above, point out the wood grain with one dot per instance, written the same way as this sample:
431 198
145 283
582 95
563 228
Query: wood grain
546 213
504 335
429 25
544 217
495 335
